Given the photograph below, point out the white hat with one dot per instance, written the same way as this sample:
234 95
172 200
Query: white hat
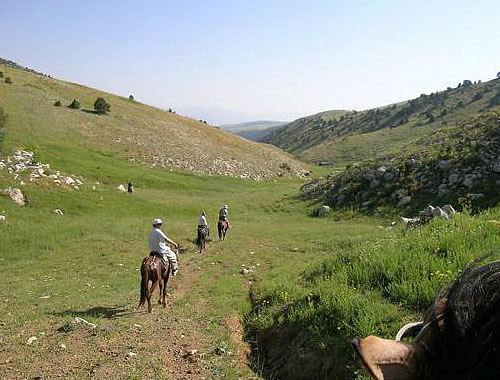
157 221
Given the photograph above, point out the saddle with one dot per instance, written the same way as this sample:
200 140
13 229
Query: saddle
160 256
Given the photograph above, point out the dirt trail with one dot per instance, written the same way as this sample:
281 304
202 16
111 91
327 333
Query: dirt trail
127 343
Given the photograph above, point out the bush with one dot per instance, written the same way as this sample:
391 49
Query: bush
1 74
101 106
74 104
57 103
8 80
477 97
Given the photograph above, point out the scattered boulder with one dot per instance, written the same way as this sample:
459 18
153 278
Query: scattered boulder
2 218
122 188
58 211
78 320
16 195
429 213
322 211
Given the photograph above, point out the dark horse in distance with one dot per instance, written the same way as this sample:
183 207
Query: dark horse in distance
203 234
155 271
222 228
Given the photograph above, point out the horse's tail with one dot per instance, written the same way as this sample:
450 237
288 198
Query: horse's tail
144 282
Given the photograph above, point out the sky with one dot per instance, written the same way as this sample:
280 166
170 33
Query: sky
241 60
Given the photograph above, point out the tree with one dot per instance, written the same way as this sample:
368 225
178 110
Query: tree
101 106
131 97
1 74
467 83
498 75
57 103
74 104
8 80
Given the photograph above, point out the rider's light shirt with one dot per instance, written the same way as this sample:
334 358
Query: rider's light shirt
202 220
157 241
223 213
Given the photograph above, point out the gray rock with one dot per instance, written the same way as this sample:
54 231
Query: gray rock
427 212
16 195
439 213
443 189
495 166
374 184
323 210
445 165
469 180
389 176
448 209
122 188
476 195
369 176
404 201
379 173
453 178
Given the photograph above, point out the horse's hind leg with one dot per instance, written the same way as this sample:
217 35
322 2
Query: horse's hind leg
150 293
161 291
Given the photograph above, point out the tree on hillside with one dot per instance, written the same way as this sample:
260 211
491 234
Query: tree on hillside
131 97
8 80
74 104
57 103
101 106
1 74
467 83
498 75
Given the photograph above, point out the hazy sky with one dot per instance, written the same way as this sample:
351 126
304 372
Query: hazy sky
273 58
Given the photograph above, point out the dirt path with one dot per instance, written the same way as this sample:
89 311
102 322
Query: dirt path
170 343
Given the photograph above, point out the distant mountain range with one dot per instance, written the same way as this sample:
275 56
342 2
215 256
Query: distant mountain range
222 116
254 130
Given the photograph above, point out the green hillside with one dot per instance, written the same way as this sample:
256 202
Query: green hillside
344 137
132 131
282 297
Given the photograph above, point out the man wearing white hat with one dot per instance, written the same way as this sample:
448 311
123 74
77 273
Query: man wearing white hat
158 243
224 214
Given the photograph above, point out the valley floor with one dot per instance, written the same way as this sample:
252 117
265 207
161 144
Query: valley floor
86 264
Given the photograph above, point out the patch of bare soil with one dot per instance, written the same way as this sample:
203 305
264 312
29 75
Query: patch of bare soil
126 343
237 336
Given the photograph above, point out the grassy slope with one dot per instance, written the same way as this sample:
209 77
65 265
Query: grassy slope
353 136
132 130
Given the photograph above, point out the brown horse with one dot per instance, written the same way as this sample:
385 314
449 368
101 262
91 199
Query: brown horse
222 227
153 269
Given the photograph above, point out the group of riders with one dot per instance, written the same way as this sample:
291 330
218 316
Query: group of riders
159 242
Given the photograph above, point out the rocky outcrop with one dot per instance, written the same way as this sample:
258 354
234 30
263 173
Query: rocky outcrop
22 166
456 162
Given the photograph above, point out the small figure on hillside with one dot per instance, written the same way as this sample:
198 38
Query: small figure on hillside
158 246
130 188
203 231
224 214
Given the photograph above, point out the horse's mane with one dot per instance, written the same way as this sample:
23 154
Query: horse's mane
465 325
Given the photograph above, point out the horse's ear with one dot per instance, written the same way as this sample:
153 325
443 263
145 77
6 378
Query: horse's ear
387 359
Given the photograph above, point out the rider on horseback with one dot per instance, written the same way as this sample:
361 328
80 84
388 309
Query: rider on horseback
223 214
158 246
202 227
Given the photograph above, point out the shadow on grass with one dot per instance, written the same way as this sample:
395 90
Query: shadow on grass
98 311
90 111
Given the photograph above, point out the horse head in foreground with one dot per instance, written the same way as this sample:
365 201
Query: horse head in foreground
458 339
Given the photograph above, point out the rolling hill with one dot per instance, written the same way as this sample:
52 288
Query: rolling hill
132 131
341 137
